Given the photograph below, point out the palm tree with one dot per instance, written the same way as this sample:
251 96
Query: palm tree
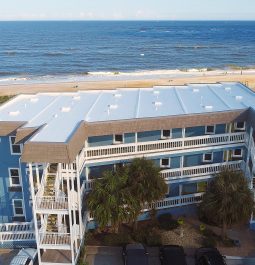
228 200
108 199
145 184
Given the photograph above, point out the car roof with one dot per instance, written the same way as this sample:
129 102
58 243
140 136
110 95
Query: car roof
137 258
23 255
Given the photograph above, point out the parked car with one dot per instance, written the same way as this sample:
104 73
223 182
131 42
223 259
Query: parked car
135 254
209 256
172 255
26 256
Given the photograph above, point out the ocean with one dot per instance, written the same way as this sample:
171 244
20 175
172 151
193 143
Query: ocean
83 50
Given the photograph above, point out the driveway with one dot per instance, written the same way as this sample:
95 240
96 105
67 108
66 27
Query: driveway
6 255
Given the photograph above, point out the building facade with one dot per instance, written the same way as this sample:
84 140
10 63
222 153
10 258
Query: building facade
54 145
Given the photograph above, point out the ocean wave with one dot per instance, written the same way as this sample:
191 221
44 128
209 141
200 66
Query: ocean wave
55 54
6 73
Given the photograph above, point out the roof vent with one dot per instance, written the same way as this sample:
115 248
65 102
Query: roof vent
113 106
34 100
157 103
14 113
76 97
156 92
228 88
195 90
208 107
55 115
117 95
239 97
65 109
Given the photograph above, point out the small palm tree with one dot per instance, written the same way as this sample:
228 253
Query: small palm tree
108 199
228 200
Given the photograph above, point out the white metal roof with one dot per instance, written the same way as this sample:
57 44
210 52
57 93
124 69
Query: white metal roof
61 113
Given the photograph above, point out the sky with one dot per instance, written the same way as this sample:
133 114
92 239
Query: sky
127 10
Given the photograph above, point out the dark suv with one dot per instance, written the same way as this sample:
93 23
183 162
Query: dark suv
209 256
135 254
172 255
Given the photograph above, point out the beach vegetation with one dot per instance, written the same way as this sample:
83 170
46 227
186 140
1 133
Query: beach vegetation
227 201
5 98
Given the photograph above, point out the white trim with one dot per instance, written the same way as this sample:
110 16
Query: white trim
13 207
165 166
208 161
240 129
118 142
166 137
214 129
11 146
241 155
10 177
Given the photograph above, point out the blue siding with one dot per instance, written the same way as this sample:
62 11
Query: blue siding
96 171
148 136
177 133
220 128
100 140
129 138
194 131
174 190
12 161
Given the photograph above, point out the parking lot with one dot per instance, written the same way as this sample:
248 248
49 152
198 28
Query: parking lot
113 256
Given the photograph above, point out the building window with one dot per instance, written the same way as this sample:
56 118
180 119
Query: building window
165 162
202 186
210 129
238 153
208 157
118 138
14 177
239 126
15 148
165 134
18 207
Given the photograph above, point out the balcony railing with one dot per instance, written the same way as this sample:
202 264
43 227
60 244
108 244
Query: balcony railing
164 145
10 232
55 239
186 172
176 201
51 203
189 172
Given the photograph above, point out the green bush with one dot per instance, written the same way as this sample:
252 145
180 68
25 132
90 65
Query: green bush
147 235
209 242
153 238
166 222
116 239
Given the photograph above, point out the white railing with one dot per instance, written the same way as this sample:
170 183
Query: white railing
17 232
51 203
54 239
202 170
189 172
164 145
176 201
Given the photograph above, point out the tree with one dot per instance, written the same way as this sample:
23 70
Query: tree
145 184
109 197
228 200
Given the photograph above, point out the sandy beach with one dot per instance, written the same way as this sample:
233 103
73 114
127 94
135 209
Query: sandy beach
13 89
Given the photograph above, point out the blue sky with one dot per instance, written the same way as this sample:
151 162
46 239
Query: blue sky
127 9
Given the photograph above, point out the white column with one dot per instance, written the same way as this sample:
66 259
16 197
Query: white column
34 212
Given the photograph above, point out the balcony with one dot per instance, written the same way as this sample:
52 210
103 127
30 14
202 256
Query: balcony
51 240
188 172
46 203
10 232
104 152
176 201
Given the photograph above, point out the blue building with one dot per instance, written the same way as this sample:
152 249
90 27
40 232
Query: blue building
54 145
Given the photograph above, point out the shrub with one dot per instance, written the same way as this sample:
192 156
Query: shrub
147 235
153 238
209 242
166 222
116 239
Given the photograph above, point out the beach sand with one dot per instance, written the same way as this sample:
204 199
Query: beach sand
13 89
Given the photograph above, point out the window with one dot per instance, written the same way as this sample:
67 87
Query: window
165 162
15 148
208 157
18 207
240 126
238 153
201 186
165 134
14 176
118 138
210 129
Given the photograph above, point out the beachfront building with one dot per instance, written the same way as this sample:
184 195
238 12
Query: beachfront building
54 145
